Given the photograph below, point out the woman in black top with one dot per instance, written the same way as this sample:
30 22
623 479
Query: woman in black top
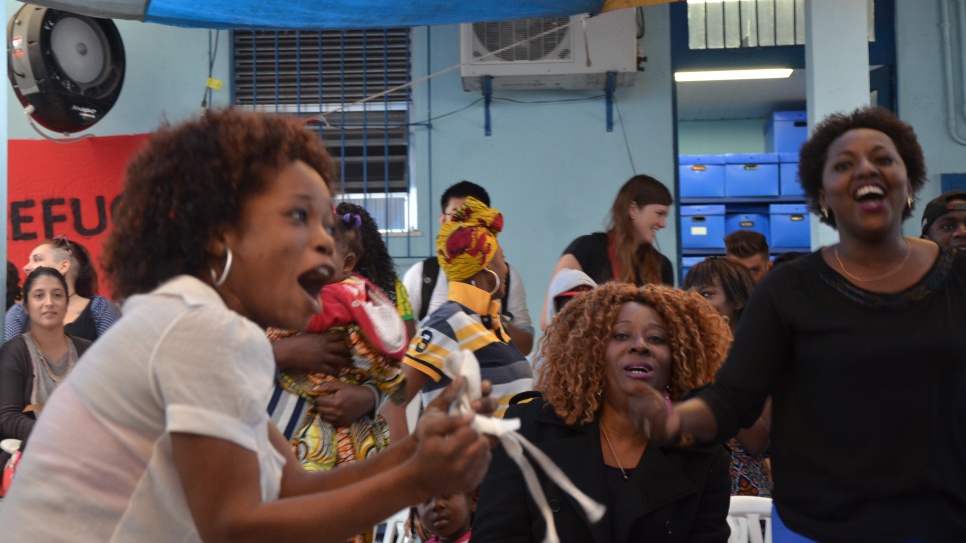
861 346
605 347
626 251
34 363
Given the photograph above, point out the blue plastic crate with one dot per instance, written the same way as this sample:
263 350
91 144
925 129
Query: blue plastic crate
756 222
786 131
702 227
701 176
790 226
751 174
788 175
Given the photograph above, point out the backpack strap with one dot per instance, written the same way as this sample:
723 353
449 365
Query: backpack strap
506 296
430 276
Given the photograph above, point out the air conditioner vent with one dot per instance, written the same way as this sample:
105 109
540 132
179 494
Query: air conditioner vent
577 56
494 36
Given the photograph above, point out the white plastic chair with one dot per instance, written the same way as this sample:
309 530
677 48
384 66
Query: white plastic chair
746 515
395 531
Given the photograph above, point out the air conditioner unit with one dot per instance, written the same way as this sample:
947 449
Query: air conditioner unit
576 57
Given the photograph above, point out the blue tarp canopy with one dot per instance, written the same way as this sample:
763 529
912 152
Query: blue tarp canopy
329 14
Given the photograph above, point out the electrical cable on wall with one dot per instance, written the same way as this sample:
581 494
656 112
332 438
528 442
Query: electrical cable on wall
627 143
370 98
211 84
28 112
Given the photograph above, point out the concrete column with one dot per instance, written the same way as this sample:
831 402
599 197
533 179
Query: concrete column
837 68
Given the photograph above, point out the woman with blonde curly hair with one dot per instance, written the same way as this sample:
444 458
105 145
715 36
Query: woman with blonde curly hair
606 347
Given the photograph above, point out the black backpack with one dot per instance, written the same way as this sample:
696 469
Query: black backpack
431 274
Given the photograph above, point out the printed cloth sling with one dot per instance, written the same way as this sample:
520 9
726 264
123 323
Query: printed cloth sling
376 335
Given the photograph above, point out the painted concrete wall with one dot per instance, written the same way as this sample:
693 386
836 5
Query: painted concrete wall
721 136
551 168
921 94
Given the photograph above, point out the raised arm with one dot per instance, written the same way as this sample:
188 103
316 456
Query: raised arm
221 483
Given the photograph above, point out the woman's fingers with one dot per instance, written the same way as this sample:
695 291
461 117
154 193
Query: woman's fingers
451 456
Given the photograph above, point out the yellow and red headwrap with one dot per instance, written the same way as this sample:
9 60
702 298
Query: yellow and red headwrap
467 244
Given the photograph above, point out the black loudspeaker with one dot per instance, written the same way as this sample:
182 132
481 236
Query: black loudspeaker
67 69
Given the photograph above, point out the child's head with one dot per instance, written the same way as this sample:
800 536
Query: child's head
374 263
348 244
726 285
449 517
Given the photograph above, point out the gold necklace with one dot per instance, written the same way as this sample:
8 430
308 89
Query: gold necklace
612 451
886 275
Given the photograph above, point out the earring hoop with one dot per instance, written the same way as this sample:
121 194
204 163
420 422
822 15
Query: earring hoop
219 280
496 277
910 201
825 212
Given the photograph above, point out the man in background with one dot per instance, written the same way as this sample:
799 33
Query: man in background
750 249
428 287
944 220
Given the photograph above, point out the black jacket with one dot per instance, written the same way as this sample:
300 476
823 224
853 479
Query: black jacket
673 494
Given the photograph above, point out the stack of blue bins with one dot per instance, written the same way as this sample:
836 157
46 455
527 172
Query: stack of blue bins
746 191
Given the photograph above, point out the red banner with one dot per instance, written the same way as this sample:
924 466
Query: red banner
68 189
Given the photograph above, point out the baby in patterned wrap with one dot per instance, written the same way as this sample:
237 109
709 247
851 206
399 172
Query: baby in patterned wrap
369 323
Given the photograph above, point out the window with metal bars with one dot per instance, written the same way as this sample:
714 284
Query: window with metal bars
320 75
717 24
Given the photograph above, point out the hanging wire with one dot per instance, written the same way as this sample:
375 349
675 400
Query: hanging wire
450 69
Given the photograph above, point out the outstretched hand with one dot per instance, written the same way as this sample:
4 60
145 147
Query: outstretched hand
451 457
651 415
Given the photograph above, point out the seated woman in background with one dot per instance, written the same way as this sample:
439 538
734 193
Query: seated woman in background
605 347
34 363
626 251
727 285
88 314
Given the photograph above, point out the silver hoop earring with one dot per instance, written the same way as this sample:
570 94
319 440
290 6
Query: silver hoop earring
219 280
825 212
496 277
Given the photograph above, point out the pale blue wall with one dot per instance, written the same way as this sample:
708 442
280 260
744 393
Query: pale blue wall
921 95
552 169
721 136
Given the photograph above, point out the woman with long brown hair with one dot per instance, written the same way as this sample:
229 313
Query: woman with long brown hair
625 252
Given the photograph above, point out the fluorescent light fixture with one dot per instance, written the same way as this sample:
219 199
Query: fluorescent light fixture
731 75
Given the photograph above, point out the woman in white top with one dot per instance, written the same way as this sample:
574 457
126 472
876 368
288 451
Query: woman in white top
161 432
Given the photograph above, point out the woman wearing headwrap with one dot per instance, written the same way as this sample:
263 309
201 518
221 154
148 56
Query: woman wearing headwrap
468 253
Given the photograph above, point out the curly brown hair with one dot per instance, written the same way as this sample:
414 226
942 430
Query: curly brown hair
189 183
811 159
573 348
